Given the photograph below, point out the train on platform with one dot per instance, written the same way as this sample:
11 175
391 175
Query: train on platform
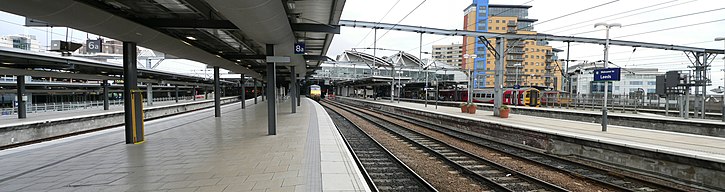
525 96
315 92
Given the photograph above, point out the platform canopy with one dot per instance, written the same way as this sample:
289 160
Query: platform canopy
230 34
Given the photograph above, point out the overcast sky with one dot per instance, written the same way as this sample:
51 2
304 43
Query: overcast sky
448 14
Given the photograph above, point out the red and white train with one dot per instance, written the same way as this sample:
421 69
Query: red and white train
522 97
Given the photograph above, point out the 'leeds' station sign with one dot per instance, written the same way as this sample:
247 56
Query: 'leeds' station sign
607 74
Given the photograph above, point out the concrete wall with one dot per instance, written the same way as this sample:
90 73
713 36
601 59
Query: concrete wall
662 164
45 129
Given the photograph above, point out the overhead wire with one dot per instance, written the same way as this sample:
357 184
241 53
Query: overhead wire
671 28
381 20
578 24
656 20
634 14
569 14
396 24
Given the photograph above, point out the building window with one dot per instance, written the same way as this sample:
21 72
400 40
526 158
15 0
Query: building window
635 83
651 83
497 21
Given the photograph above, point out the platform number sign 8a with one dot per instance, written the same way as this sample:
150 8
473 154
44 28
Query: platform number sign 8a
299 48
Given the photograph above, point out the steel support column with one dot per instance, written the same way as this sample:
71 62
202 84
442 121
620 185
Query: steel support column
105 95
498 77
271 92
217 94
293 90
193 94
244 92
176 93
297 88
255 90
132 96
149 94
22 107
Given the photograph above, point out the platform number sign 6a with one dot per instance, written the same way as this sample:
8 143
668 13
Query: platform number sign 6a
94 46
299 48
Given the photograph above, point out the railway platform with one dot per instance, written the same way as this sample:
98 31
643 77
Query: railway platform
194 152
651 151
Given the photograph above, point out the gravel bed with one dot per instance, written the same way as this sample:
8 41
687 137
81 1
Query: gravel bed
544 173
433 170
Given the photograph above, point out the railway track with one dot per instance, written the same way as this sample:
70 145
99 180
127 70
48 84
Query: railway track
489 173
383 171
601 176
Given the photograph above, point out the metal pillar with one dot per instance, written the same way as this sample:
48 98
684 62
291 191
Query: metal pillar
498 77
149 94
22 112
686 102
420 56
704 85
217 95
392 84
264 93
176 91
298 89
255 90
132 96
244 92
193 94
293 90
568 77
271 92
105 95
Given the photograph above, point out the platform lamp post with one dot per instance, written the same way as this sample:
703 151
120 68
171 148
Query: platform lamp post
516 92
606 61
400 84
723 88
470 77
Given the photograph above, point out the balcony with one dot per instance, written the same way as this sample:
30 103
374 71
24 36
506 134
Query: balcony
516 51
511 24
514 74
512 58
549 60
549 67
519 44
513 65
549 53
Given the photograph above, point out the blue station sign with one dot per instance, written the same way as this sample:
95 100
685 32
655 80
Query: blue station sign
607 74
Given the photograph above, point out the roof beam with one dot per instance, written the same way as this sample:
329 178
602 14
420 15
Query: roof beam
16 71
187 24
317 28
544 37
317 58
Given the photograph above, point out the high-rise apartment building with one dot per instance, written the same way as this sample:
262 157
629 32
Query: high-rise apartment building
527 63
450 54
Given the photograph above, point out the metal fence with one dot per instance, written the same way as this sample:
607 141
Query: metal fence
625 103
68 106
